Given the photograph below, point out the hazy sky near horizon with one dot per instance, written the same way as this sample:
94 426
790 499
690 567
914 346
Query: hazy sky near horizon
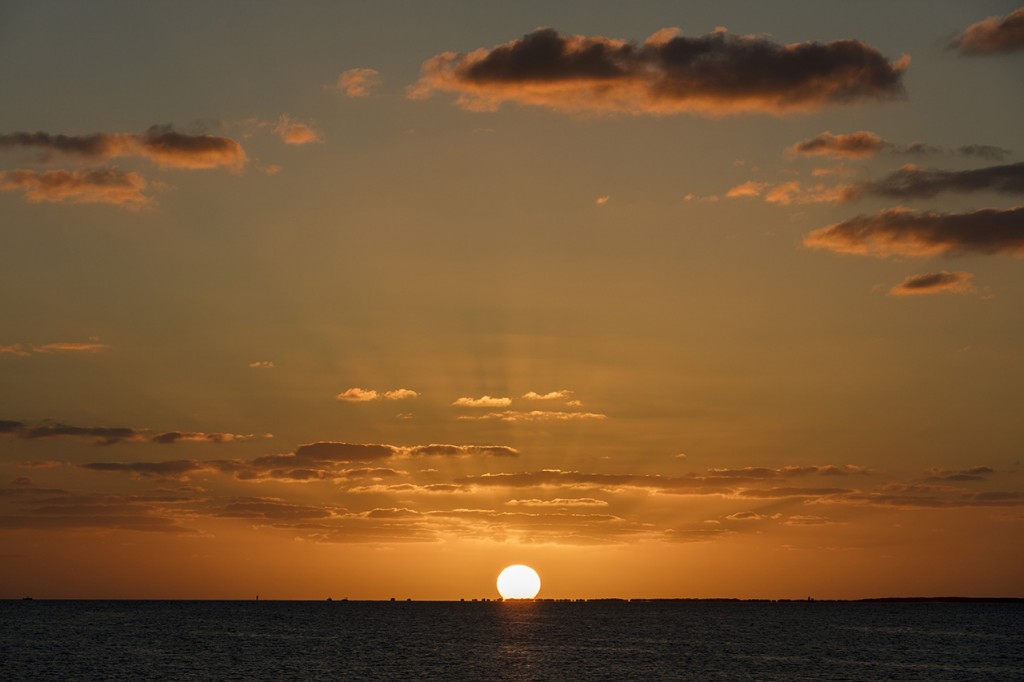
371 299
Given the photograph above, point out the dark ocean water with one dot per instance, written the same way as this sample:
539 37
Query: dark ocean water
176 640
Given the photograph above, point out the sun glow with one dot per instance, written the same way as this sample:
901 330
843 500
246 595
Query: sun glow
518 582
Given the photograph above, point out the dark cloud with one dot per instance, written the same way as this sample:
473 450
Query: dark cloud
978 473
47 509
160 143
176 469
713 74
771 493
271 509
93 186
863 144
330 451
104 435
994 35
934 283
462 450
899 231
984 151
911 182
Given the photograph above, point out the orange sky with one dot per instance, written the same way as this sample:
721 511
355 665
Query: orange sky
369 301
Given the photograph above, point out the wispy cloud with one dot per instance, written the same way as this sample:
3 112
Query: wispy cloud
714 74
994 35
534 416
934 283
92 186
358 82
902 232
559 502
106 435
262 364
51 348
293 132
483 401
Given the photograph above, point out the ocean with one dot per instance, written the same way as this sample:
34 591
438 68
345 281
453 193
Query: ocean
543 640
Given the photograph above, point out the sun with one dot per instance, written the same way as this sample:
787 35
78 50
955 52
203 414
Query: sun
518 582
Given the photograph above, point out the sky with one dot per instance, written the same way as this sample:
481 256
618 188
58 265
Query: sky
372 299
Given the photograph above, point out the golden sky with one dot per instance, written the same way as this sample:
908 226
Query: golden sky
372 299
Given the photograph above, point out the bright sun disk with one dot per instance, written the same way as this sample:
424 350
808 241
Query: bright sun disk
518 582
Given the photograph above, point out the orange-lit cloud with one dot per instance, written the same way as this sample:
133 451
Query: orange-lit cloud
534 416
714 74
364 395
160 144
856 145
483 401
559 502
601 201
994 35
69 347
92 186
901 232
934 283
747 189
794 192
358 82
551 395
57 347
262 364
293 132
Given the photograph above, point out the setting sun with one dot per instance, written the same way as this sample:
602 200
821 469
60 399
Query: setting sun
518 582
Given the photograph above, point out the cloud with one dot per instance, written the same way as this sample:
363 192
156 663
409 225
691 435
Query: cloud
713 74
400 394
858 145
600 201
977 473
483 401
363 395
93 186
559 502
14 349
171 149
808 520
357 82
863 144
535 416
747 189
899 231
293 132
911 182
262 364
68 347
994 35
781 492
173 469
105 435
746 516
934 283
160 144
551 395
445 450
200 437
